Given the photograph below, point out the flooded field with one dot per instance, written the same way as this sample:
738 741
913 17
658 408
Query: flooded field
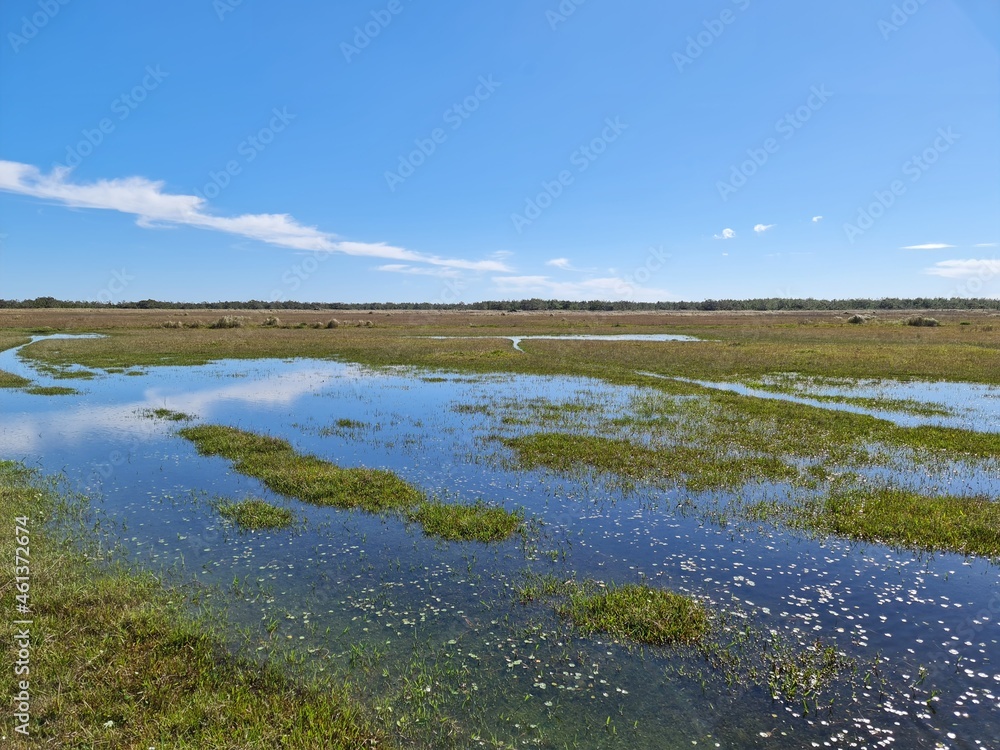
820 641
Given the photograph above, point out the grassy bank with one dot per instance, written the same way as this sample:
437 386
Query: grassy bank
313 480
736 346
115 663
897 517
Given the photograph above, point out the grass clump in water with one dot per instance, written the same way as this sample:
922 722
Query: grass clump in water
307 478
168 414
904 518
313 480
10 380
639 613
479 522
115 663
51 390
253 514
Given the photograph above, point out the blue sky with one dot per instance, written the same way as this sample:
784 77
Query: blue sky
404 150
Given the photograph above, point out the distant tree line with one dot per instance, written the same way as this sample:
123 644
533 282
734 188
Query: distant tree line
760 304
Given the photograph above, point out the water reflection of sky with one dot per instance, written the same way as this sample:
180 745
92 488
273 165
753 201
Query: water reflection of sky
378 579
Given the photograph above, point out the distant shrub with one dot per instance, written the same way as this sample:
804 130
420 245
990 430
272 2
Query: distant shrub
229 321
920 320
334 323
856 319
172 324
271 321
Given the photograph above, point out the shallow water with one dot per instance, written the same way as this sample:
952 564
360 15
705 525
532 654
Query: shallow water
347 578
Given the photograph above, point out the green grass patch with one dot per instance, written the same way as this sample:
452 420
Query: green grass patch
168 414
479 522
253 514
51 390
898 518
314 480
639 613
116 663
10 380
308 478
694 467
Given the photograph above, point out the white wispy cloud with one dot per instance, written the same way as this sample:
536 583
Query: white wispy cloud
562 263
605 288
761 228
444 273
928 246
987 244
726 234
817 219
965 269
153 207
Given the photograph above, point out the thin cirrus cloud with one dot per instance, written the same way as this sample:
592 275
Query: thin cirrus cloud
965 269
928 246
761 228
817 219
146 200
987 244
611 287
725 234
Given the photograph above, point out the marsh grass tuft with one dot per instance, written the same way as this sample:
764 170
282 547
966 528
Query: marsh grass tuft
898 517
253 514
51 390
168 414
10 380
638 613
478 522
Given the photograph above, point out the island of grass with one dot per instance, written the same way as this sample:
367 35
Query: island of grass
254 514
899 518
313 480
10 380
116 663
479 522
51 390
638 613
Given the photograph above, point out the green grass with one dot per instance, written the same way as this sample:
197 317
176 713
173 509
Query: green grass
696 468
168 414
116 663
254 514
10 380
349 424
51 390
479 522
899 518
307 478
639 613
314 480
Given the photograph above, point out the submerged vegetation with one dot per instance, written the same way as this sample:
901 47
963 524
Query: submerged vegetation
51 390
314 480
168 414
116 663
